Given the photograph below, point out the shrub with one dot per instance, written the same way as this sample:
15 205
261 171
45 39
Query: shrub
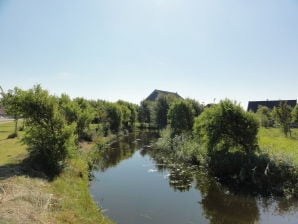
50 140
226 125
181 116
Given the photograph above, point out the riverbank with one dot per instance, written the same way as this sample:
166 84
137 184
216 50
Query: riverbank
27 196
270 170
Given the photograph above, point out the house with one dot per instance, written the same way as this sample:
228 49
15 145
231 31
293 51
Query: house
253 105
156 93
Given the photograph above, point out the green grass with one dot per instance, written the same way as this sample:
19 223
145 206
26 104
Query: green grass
71 203
273 141
12 151
76 204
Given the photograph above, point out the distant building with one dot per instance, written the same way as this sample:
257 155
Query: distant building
253 105
156 93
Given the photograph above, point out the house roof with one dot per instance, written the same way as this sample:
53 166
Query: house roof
253 105
156 93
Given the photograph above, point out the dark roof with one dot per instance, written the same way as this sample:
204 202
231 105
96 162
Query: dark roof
253 105
156 93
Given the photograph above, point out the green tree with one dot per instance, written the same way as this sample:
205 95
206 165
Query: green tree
145 112
295 114
161 110
283 117
12 102
114 117
181 116
264 116
49 138
196 106
227 125
129 114
85 114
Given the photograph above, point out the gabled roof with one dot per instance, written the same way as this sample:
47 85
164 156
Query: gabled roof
253 105
156 93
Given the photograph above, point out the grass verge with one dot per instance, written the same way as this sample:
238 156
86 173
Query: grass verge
273 142
26 196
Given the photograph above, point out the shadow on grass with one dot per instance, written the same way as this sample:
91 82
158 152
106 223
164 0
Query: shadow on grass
23 168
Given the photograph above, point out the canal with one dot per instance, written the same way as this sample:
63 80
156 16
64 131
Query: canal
134 186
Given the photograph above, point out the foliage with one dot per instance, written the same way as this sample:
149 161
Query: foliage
226 125
161 110
196 106
282 115
181 116
264 116
11 102
69 201
84 116
146 113
114 117
129 114
183 147
49 138
295 114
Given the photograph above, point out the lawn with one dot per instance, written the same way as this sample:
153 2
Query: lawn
273 141
11 150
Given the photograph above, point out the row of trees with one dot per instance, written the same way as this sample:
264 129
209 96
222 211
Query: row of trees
167 110
54 125
284 116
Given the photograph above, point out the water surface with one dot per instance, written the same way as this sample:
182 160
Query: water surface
132 186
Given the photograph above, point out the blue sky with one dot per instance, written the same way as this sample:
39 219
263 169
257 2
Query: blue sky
124 49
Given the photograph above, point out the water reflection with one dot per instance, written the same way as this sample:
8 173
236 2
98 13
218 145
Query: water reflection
216 204
122 149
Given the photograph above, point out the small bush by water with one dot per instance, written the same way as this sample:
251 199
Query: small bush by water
257 172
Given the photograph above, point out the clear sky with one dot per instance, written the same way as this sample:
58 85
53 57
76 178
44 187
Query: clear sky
124 49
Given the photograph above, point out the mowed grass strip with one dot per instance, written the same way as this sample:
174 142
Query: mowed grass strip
273 141
12 151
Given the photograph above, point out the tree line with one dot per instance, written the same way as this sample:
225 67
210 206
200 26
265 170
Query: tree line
54 125
283 116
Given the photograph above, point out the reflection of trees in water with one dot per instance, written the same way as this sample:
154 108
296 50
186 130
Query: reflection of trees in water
124 148
180 176
280 206
222 207
219 205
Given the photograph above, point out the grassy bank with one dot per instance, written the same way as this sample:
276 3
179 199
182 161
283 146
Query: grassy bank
270 170
26 196
272 141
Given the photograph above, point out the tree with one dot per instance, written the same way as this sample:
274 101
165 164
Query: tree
85 114
145 112
129 114
226 125
264 116
12 102
295 114
161 110
196 106
49 138
181 116
114 116
283 117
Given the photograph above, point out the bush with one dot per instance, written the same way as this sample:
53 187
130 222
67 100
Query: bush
49 138
181 117
225 126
